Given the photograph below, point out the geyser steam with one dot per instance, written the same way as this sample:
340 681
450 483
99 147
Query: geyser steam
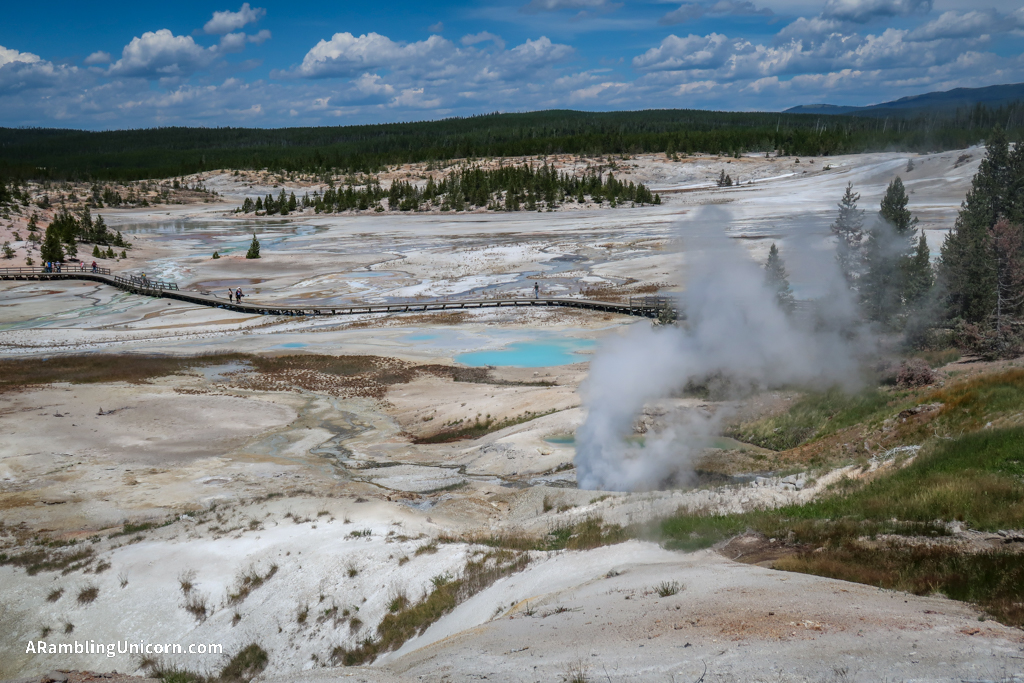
734 329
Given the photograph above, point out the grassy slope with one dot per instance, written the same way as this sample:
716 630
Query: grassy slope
970 469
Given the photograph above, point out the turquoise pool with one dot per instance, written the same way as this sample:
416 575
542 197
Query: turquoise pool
530 354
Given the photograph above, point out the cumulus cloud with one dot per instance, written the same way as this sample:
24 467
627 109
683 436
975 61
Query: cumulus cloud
863 11
161 54
536 6
98 57
436 58
10 55
260 38
346 55
21 71
963 25
691 11
436 28
483 37
229 22
808 30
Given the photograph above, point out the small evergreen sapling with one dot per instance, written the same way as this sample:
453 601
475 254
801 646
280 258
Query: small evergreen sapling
254 248
777 280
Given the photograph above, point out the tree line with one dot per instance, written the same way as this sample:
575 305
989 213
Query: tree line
506 188
54 154
67 229
972 296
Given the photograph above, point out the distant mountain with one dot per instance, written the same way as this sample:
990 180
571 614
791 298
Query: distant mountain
949 100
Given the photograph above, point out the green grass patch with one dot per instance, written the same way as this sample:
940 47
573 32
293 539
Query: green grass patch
977 479
971 404
248 663
992 580
936 358
43 560
814 416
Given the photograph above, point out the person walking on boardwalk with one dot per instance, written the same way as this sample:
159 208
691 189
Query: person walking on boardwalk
231 296
536 290
238 295
94 266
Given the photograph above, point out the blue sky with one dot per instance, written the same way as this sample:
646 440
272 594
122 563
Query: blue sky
271 64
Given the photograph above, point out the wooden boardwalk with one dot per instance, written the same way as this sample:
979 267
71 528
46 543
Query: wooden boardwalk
646 306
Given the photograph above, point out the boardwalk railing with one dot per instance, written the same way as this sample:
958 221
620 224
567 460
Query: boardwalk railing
647 306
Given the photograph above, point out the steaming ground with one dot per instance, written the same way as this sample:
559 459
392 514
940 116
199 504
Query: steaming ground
211 444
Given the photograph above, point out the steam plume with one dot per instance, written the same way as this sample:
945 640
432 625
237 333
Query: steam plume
735 329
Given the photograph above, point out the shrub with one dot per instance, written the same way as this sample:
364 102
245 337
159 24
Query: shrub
667 589
914 373
88 594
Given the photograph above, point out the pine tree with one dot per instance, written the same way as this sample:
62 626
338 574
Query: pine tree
888 251
849 228
254 248
51 249
777 280
967 271
1008 257
918 273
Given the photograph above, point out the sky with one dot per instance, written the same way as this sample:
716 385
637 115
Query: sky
121 64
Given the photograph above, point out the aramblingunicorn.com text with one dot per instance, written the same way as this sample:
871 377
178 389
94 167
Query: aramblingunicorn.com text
121 647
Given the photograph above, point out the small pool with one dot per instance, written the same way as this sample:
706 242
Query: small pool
292 345
530 354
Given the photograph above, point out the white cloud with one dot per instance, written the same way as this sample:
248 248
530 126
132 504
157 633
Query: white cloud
21 71
99 57
436 28
483 37
862 11
555 5
811 31
260 38
690 11
963 25
414 98
161 54
345 54
10 55
692 52
232 42
435 59
228 22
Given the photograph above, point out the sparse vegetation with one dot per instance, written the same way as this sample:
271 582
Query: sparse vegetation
41 559
977 480
427 548
186 580
197 605
246 665
478 428
667 589
411 619
813 417
88 594
247 581
54 595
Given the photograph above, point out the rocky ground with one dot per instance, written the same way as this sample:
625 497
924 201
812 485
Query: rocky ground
231 502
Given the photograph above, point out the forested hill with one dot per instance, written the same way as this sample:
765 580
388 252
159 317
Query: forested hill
164 152
956 102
